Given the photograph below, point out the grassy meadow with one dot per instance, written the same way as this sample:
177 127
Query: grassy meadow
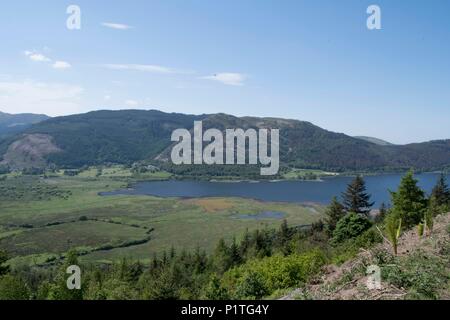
41 218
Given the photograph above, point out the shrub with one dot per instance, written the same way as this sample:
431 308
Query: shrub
264 276
13 288
252 286
351 247
349 227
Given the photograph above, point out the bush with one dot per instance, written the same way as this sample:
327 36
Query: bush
263 277
350 248
252 286
349 227
13 288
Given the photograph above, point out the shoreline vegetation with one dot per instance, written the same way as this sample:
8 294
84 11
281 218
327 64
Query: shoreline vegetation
259 260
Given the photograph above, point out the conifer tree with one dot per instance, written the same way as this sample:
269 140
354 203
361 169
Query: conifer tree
441 192
409 201
222 259
335 211
235 255
356 199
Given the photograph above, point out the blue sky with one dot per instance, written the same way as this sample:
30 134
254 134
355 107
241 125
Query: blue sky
307 60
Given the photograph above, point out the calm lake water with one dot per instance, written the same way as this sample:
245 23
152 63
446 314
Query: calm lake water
289 191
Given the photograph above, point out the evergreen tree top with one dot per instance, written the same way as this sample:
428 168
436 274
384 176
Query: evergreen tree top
355 198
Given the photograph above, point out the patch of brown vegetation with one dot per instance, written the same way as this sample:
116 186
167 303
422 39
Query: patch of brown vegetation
30 151
212 205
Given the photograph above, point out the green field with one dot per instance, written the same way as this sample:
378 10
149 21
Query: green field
306 174
42 218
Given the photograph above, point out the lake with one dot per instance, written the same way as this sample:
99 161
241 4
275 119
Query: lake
288 191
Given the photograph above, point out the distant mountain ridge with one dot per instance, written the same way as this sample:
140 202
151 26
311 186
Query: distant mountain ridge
129 136
374 140
13 123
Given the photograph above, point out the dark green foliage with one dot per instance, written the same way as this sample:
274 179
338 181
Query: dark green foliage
222 257
335 211
409 201
71 173
355 198
214 289
259 277
13 288
349 227
441 192
111 136
33 171
283 238
252 286
3 258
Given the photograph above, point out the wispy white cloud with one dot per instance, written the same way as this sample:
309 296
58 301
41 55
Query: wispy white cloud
48 98
37 57
145 68
228 78
61 65
117 26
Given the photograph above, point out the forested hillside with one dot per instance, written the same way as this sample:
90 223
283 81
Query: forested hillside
128 136
13 123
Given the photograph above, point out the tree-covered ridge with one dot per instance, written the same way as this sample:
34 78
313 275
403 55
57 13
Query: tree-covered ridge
13 123
129 136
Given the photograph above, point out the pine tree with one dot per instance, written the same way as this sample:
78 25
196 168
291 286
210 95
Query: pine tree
245 243
441 192
335 211
58 290
200 261
222 259
282 238
355 198
235 255
409 201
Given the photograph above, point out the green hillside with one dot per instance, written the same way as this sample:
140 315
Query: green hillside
128 136
13 123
